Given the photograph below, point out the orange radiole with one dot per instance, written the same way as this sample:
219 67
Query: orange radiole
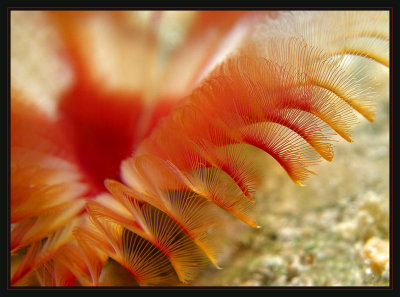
285 83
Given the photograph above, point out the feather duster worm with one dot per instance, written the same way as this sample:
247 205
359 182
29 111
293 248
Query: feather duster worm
288 88
70 132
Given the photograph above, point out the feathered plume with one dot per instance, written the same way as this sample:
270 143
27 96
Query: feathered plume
285 83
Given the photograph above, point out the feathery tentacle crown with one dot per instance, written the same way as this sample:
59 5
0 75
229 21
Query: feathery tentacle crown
292 85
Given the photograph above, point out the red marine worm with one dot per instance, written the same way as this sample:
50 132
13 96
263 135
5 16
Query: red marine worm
104 178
